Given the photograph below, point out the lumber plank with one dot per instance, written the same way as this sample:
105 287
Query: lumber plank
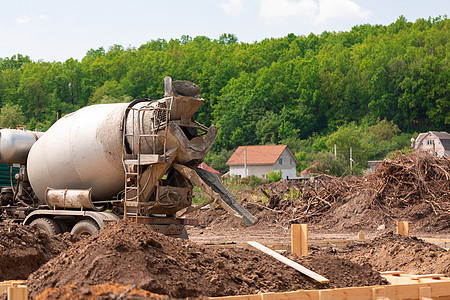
435 276
325 295
239 297
440 289
378 293
289 262
354 293
391 273
425 293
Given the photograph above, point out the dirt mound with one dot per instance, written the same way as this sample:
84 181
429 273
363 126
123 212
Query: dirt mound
412 187
128 253
391 252
102 291
23 249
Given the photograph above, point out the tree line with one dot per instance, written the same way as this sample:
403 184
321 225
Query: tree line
298 90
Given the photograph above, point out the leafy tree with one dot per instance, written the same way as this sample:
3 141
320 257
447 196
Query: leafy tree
218 160
228 39
11 116
326 163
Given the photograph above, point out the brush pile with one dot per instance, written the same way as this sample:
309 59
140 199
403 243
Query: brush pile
411 179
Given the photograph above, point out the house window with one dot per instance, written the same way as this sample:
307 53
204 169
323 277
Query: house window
291 161
430 142
280 161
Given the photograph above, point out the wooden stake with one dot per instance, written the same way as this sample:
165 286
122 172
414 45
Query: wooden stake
289 262
17 292
403 228
299 239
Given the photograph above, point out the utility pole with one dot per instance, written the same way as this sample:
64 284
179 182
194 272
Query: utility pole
351 159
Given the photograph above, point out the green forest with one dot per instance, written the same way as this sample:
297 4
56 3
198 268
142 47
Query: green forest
371 88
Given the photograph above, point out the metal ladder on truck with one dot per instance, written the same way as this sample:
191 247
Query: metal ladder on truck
133 161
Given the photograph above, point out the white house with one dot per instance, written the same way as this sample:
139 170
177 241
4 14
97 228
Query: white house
260 160
435 142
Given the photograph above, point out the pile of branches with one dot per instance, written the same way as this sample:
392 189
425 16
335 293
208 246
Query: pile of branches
309 198
320 193
412 178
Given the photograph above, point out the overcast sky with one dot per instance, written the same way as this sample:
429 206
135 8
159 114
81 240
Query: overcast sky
55 30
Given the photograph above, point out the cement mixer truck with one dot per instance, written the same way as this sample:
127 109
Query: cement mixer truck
106 162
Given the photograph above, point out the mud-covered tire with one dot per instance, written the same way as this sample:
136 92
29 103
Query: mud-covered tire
184 234
64 225
48 225
85 227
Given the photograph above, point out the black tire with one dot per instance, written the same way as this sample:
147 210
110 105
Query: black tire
86 227
48 225
64 225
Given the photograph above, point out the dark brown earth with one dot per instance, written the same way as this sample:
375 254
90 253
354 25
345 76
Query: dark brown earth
128 253
24 249
391 252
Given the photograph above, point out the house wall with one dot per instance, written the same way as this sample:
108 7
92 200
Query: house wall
287 167
432 143
252 170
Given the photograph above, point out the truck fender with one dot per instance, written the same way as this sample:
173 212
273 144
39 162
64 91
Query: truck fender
101 218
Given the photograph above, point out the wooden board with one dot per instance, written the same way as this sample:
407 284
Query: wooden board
438 289
289 262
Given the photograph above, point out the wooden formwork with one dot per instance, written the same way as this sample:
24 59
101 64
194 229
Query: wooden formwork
403 286
15 289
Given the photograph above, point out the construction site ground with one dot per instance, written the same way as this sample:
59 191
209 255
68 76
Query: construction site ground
411 187
414 188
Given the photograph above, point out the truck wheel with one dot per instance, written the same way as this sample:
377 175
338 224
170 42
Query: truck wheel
48 225
65 227
85 227
183 235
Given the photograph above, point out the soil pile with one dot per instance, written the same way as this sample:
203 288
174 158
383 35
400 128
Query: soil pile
411 187
109 291
128 253
393 252
23 249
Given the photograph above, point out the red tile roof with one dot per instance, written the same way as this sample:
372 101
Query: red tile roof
204 166
308 169
258 155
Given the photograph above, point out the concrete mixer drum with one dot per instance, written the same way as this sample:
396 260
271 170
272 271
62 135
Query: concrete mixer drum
104 162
